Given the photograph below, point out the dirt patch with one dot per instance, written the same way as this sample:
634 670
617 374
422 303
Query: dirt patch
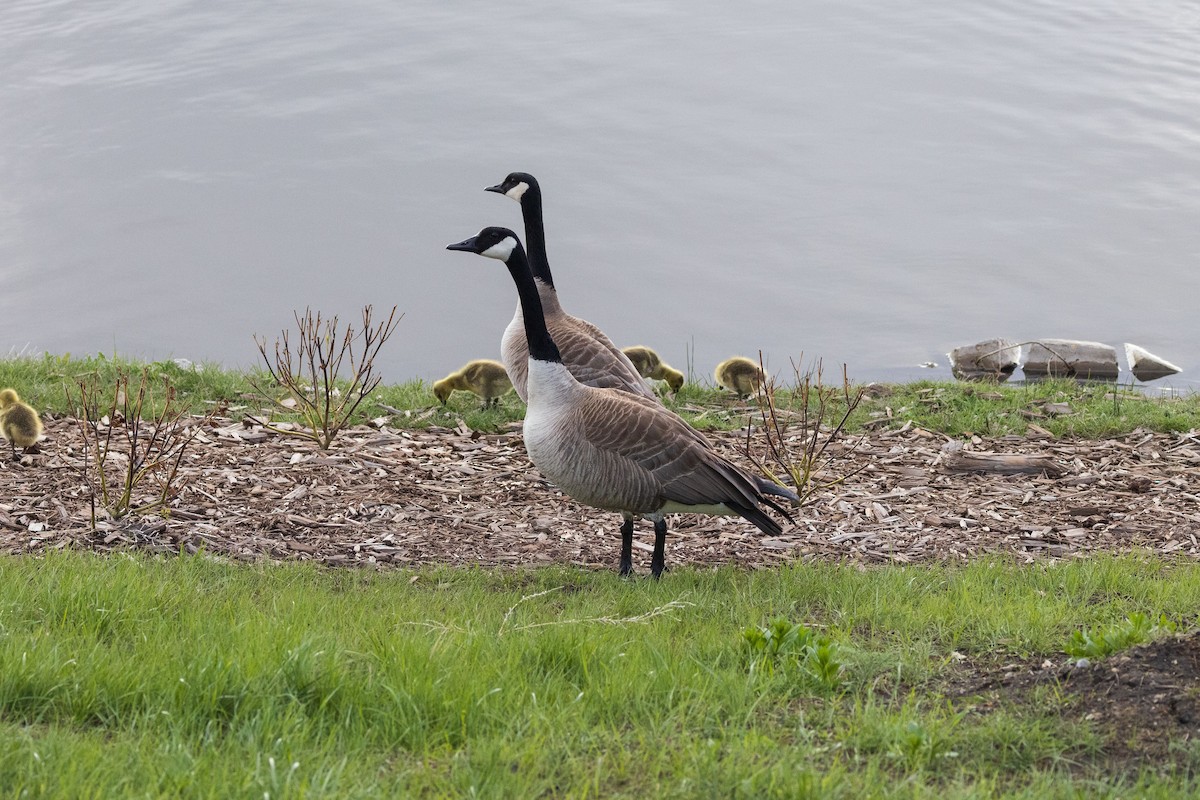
1145 701
399 497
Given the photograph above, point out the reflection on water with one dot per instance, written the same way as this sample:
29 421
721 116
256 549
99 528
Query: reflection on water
872 183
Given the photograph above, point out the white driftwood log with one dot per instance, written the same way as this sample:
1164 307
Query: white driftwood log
992 359
959 460
1146 366
1069 358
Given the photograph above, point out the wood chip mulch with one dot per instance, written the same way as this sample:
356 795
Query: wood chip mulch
453 496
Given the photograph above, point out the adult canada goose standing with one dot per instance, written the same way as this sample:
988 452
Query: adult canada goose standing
615 450
739 374
588 353
484 377
19 422
650 365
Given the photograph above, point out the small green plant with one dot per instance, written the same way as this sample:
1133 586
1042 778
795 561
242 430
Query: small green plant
784 646
126 444
311 372
1136 629
921 746
823 664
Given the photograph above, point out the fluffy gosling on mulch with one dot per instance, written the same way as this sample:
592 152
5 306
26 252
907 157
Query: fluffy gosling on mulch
739 374
19 422
484 377
650 365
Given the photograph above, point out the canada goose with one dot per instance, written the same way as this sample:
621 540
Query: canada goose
19 422
650 365
616 450
588 353
484 377
740 375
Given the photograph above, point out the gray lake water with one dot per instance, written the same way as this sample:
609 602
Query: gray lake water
868 182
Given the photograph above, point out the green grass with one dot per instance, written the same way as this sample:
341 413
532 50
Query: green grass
952 408
1092 410
1136 629
186 677
45 381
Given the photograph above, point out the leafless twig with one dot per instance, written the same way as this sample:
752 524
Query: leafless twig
310 372
122 448
799 429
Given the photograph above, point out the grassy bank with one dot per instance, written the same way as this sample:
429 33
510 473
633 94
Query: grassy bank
1063 408
131 676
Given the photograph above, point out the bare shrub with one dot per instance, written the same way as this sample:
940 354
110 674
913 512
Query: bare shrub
130 460
800 427
309 369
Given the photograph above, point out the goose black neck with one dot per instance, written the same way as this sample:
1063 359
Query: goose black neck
541 346
535 234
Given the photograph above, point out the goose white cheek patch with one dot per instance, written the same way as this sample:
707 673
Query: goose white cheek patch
501 249
518 191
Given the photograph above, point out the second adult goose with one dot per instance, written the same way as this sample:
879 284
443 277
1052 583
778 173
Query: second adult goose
588 353
615 450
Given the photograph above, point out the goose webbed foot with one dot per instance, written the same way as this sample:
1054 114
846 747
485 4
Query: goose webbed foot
626 567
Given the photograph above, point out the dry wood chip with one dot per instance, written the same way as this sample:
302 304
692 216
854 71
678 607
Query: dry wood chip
408 489
959 460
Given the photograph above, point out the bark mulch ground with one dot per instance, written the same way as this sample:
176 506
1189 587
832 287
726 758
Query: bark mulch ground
453 496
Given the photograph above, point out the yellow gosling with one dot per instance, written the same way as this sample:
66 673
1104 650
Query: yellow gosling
650 365
19 422
672 376
739 374
484 377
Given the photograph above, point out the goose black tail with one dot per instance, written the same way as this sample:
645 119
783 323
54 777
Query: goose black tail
770 487
760 519
772 504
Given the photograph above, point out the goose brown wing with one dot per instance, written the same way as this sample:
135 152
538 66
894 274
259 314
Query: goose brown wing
592 357
710 479
514 352
653 440
587 352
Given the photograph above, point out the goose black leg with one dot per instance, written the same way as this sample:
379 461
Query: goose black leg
657 561
626 547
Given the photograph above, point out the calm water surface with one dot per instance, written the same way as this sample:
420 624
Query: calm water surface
870 182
